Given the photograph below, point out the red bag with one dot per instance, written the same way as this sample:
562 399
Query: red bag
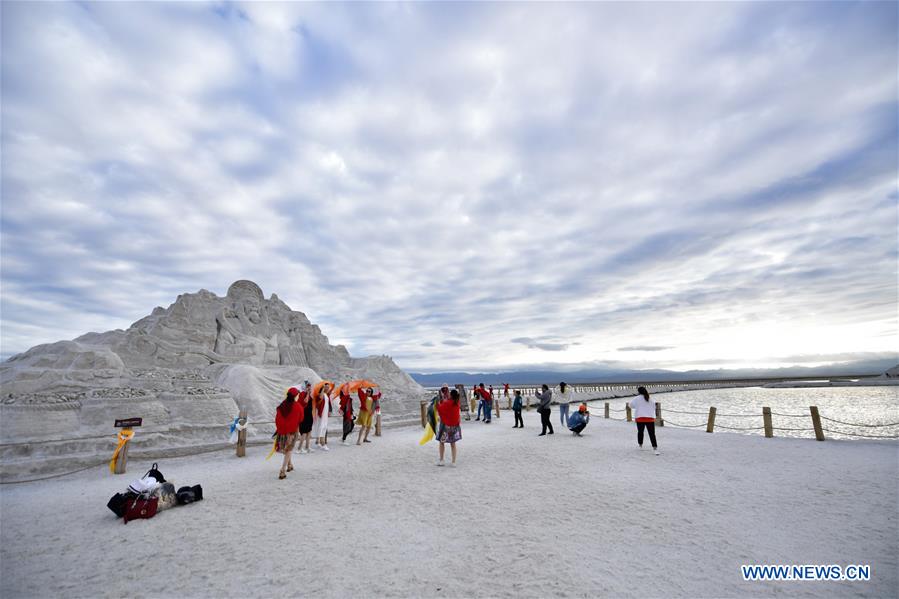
141 508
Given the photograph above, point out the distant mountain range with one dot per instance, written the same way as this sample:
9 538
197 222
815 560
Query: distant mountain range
553 377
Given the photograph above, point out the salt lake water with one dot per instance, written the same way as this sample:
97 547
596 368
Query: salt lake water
739 410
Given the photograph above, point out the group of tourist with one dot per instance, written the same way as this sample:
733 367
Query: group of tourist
449 410
303 415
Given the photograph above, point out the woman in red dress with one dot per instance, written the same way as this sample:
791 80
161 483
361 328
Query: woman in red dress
450 424
287 422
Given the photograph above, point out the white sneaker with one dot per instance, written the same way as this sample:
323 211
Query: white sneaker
452 464
656 452
344 443
325 448
440 462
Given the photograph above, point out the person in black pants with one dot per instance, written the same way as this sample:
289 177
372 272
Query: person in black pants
651 429
516 407
645 414
544 398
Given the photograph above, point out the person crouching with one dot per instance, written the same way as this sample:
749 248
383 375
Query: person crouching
577 422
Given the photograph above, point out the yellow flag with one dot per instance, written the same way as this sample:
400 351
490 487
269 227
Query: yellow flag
431 420
274 449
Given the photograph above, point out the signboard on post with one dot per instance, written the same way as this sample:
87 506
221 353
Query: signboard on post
128 422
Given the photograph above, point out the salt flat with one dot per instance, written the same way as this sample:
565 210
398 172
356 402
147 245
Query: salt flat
520 516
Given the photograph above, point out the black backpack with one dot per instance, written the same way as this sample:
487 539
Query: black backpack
187 495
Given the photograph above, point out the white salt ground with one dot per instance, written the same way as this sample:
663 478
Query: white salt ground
521 516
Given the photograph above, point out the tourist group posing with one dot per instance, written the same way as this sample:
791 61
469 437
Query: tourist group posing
303 416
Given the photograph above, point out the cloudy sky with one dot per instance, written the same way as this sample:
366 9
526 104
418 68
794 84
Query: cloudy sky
462 185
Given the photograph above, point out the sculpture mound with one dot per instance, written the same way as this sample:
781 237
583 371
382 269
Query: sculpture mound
187 370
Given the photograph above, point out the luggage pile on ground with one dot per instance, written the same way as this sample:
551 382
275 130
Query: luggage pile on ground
149 494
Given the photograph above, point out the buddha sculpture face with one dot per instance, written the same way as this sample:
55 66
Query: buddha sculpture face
247 297
251 309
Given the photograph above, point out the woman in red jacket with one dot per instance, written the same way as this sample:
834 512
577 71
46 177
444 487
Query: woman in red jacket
450 424
287 422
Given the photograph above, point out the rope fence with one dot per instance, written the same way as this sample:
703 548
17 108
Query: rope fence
31 480
672 423
741 428
767 424
858 423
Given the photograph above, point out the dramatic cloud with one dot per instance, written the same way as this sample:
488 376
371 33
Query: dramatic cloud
716 181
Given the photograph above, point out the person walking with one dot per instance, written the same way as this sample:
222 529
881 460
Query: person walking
486 399
366 409
346 410
450 424
579 420
645 416
545 397
564 400
321 409
287 422
305 399
516 409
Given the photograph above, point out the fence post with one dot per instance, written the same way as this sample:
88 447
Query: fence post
472 404
627 407
607 409
711 426
377 425
495 403
766 416
816 422
121 461
423 415
659 420
528 406
242 434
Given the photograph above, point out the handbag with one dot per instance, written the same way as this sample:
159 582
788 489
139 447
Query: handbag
142 507
118 501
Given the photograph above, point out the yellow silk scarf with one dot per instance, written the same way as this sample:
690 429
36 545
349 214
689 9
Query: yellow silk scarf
124 435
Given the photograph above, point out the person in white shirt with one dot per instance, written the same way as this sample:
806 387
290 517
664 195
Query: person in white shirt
564 400
645 416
